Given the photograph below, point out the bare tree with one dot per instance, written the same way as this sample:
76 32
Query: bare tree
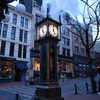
90 19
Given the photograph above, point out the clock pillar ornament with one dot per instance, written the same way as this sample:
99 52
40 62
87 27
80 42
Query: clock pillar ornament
48 35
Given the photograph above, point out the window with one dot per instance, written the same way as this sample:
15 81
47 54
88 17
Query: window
76 59
21 35
76 49
20 51
11 49
4 34
26 23
63 41
90 38
13 33
64 51
80 42
22 22
38 18
75 39
82 51
3 45
25 37
97 55
68 52
35 32
24 52
67 42
0 28
67 32
37 6
14 19
91 53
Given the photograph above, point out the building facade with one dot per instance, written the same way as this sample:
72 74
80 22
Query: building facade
80 62
15 39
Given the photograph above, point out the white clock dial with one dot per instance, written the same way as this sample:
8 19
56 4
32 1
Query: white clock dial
53 30
43 31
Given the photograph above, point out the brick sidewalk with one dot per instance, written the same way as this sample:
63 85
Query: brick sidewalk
82 96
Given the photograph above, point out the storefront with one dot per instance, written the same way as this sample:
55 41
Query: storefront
7 67
20 71
12 70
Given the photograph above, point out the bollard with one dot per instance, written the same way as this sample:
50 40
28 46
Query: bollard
76 89
87 89
17 95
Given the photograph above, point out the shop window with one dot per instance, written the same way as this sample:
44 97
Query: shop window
7 69
64 67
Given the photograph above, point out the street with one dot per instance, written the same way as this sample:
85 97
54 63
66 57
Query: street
8 91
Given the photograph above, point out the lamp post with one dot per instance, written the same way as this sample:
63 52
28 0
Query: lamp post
20 8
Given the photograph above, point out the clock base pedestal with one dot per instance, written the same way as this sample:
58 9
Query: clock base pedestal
48 93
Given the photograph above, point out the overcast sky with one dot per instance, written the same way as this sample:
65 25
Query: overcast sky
72 6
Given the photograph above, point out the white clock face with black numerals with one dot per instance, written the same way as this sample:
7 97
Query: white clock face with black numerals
53 30
43 31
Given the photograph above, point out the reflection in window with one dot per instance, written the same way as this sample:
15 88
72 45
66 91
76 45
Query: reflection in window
3 45
4 34
12 49
13 33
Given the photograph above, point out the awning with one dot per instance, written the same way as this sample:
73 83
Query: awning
21 65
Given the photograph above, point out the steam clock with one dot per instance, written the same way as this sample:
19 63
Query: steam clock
48 35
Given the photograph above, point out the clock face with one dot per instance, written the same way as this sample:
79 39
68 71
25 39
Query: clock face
53 30
43 31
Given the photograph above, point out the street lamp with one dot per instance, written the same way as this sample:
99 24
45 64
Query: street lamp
20 8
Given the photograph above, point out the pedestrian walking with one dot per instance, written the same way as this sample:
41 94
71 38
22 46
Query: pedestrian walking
98 82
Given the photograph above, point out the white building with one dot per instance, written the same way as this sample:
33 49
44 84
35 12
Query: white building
15 39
